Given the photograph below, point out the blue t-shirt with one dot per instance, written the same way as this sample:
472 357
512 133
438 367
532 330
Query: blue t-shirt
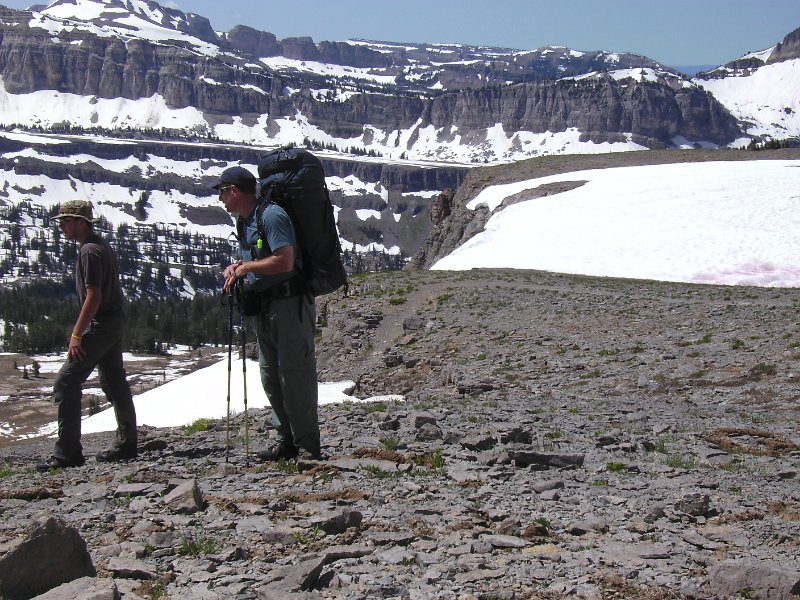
279 232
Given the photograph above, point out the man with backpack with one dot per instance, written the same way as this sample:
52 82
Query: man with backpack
271 265
96 341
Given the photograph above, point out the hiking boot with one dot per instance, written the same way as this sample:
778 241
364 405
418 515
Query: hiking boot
116 455
281 450
306 455
58 463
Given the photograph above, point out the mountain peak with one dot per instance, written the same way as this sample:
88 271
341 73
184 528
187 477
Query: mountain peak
126 18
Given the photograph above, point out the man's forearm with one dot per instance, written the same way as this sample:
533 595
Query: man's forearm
88 311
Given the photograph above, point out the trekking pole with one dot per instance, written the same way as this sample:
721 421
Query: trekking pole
242 326
230 350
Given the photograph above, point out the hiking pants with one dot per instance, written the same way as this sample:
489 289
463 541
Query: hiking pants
285 332
103 347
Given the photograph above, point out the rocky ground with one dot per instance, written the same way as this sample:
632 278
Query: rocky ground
561 436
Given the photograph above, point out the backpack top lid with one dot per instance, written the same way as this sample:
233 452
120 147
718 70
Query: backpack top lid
289 165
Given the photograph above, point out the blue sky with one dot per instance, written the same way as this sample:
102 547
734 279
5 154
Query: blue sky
674 32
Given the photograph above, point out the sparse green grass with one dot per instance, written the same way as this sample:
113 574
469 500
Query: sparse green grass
285 466
591 374
554 434
373 407
376 472
390 442
397 300
681 461
737 344
615 467
706 339
5 472
121 501
200 545
196 426
762 369
444 298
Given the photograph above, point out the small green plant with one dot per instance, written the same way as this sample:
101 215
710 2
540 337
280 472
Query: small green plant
706 339
679 461
600 482
737 344
390 442
637 348
121 501
615 467
591 374
446 297
397 301
376 472
199 545
285 466
763 369
195 426
5 472
554 434
573 410
477 419
544 522
373 407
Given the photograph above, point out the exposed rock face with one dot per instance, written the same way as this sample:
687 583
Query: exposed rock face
789 48
602 108
251 41
442 206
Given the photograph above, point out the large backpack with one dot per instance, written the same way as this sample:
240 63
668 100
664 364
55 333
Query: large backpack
294 179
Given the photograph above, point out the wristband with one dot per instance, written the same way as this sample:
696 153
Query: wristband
77 337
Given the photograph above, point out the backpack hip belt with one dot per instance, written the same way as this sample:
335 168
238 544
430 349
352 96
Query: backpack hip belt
287 289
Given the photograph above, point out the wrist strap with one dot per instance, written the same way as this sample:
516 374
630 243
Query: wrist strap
77 337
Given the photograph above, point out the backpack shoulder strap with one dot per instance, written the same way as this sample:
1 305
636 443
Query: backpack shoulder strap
262 235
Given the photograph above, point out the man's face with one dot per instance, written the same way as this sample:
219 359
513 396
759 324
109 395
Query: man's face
69 226
230 198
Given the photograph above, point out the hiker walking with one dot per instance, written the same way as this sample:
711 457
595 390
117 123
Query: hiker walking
96 341
286 314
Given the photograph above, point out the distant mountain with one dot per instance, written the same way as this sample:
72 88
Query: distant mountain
761 89
133 63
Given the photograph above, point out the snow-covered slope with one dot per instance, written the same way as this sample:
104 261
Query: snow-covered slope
766 98
709 222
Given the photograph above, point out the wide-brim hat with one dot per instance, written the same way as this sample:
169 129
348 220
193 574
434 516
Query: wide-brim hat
81 209
238 176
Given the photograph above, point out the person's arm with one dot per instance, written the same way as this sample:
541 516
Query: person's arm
280 261
94 296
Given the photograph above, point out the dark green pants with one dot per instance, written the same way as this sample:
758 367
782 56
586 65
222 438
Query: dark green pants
103 348
288 366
